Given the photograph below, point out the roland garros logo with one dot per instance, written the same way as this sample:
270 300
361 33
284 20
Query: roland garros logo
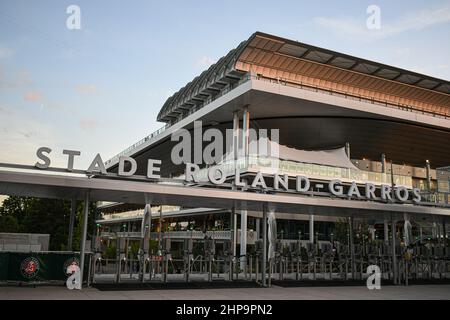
29 267
72 269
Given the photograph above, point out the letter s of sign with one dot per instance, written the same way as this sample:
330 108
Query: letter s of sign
40 154
74 280
374 280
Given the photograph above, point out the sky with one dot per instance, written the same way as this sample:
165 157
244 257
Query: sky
98 89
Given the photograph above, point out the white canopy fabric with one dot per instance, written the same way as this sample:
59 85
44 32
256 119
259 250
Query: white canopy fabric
267 148
330 157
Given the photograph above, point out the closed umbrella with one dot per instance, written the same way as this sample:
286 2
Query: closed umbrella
271 233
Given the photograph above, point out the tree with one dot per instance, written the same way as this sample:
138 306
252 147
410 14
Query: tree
341 231
9 224
47 216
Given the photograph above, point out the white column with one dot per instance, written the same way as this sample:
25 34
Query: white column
258 228
245 131
234 232
352 246
245 148
394 255
243 238
83 236
235 135
264 251
311 228
428 174
386 231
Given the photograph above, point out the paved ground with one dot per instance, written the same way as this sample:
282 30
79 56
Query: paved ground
276 292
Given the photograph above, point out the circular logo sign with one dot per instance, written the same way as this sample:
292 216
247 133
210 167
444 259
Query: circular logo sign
71 265
29 267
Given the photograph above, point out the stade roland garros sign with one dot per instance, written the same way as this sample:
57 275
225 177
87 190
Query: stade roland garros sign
217 176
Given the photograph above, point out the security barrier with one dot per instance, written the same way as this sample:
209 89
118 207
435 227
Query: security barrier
40 266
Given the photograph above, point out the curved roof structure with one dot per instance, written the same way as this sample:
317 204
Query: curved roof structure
273 57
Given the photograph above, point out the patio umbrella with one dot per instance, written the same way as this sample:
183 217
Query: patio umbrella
271 233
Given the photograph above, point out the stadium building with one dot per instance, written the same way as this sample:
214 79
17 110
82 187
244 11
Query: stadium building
340 119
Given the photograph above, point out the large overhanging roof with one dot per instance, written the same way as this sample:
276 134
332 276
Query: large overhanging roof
280 58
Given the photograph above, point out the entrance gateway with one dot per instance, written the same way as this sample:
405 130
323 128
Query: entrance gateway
228 266
217 176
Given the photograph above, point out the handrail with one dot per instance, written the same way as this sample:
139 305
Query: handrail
137 144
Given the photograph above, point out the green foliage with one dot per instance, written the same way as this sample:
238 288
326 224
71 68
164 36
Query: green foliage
9 224
153 246
110 252
134 249
46 216
341 231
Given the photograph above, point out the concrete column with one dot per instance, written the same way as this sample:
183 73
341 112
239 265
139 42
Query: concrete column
394 255
383 166
245 131
434 233
73 209
234 232
383 163
444 231
311 228
386 231
352 246
243 247
235 135
264 253
83 236
245 148
428 174
160 229
258 227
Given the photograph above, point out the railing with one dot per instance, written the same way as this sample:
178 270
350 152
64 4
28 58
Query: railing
137 144
124 234
291 83
194 234
139 213
272 165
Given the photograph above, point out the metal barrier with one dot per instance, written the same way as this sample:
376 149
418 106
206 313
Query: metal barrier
199 258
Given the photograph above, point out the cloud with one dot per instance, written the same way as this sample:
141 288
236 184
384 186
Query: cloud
86 89
88 124
5 52
5 110
205 62
22 138
38 97
15 80
413 21
33 96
